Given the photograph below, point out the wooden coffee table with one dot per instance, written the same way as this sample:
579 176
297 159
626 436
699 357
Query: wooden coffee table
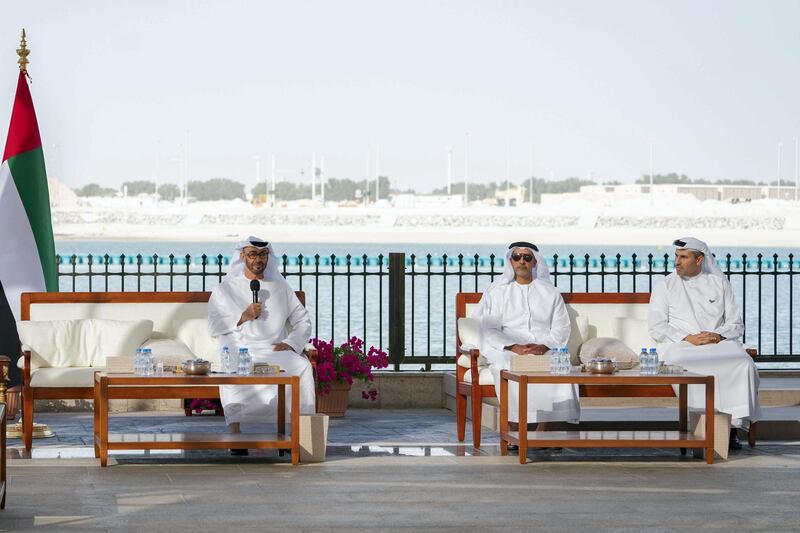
180 386
605 439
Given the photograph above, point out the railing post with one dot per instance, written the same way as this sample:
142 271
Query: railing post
397 308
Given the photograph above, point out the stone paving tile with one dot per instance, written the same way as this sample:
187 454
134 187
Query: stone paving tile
394 485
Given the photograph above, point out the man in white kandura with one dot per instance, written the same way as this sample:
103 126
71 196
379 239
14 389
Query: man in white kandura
694 318
523 313
275 330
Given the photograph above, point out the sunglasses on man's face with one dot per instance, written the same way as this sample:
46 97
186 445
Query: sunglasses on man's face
527 257
255 255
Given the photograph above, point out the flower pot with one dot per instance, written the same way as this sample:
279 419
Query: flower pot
333 402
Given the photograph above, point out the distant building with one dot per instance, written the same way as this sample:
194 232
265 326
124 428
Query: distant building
511 197
722 193
410 200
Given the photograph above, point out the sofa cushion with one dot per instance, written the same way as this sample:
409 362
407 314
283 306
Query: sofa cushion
606 347
64 377
169 351
633 332
194 334
82 342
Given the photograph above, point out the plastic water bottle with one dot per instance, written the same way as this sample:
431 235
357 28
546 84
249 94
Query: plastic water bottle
654 361
137 362
566 364
147 362
555 361
244 362
643 357
225 360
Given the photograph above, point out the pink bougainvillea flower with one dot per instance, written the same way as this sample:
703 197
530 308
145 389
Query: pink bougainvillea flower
348 362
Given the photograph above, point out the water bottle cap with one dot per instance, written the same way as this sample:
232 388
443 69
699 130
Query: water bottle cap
652 350
644 349
242 350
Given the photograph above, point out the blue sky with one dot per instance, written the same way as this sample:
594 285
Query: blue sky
568 88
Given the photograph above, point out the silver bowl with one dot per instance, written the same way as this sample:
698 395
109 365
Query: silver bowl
196 367
601 367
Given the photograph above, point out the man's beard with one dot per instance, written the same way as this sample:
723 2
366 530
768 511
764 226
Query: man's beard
251 266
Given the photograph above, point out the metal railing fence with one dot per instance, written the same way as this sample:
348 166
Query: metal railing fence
406 302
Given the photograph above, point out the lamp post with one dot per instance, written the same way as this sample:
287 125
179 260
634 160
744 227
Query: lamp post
780 153
257 159
796 168
652 159
466 168
530 188
449 169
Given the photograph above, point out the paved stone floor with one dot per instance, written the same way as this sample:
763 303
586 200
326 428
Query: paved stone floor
390 470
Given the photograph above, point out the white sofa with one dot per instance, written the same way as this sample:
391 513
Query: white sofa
66 338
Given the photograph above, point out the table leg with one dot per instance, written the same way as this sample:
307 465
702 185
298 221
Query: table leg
523 419
295 420
503 414
96 411
282 408
103 421
282 413
710 420
683 410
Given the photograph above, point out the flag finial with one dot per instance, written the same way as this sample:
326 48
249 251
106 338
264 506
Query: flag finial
23 52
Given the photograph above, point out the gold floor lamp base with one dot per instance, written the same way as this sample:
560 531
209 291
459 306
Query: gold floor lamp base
40 431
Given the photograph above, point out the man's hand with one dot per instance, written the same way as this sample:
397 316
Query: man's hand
537 349
252 312
702 338
282 347
528 349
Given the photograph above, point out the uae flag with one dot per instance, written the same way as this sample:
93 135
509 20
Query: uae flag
27 250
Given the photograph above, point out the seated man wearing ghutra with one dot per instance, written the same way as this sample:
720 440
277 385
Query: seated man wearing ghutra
275 330
694 318
523 313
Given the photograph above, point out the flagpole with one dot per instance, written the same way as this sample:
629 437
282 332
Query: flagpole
16 430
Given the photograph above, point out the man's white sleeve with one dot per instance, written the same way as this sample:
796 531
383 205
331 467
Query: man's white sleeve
222 318
559 326
299 323
658 317
491 326
733 328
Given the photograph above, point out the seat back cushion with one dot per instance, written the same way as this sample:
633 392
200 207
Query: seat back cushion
194 334
578 334
81 343
633 332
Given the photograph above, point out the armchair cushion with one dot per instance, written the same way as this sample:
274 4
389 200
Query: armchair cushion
485 376
469 333
81 343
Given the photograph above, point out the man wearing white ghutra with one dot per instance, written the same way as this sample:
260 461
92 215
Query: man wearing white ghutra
523 313
694 318
275 330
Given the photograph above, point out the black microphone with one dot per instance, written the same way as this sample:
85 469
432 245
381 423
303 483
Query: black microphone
255 286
